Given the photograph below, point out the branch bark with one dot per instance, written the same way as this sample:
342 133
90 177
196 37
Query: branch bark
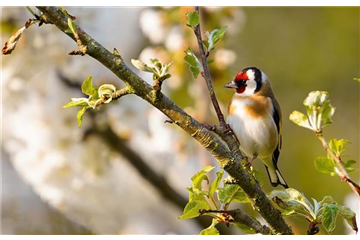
206 138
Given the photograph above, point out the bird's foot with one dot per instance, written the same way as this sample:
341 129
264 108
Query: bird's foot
249 163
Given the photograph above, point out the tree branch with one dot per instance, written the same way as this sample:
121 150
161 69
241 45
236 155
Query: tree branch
206 138
207 75
241 217
342 173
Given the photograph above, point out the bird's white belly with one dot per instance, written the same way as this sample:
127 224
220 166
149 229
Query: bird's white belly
256 135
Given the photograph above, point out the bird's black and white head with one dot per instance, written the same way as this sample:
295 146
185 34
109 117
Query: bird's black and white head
248 81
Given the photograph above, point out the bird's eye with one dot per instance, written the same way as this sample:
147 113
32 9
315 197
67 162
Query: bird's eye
243 82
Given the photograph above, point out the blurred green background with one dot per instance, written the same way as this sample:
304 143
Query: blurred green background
301 49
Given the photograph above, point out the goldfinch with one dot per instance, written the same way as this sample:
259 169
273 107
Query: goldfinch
255 117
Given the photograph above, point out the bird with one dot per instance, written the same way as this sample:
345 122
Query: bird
254 115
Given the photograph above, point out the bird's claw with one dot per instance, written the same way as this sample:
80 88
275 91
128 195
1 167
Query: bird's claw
248 164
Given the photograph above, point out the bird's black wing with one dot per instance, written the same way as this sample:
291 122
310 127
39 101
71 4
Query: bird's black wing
278 123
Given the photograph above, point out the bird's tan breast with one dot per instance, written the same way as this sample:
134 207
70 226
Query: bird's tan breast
256 106
252 121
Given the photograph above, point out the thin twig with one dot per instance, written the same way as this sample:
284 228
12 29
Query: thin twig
224 131
207 75
122 92
342 173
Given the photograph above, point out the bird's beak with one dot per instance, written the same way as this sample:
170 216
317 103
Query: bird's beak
230 85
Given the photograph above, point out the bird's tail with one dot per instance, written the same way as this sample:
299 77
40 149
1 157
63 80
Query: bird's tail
275 177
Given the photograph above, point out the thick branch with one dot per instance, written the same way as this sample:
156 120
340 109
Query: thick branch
343 173
206 138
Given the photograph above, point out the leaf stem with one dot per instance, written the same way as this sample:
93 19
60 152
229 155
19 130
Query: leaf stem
213 201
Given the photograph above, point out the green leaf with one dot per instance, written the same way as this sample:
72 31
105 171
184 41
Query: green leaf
215 184
319 109
88 88
196 194
195 191
327 200
324 165
214 37
244 228
226 193
191 209
232 193
329 216
241 197
206 44
291 201
160 71
300 119
80 115
338 146
194 64
200 176
106 91
141 66
349 216
317 206
192 19
357 79
77 102
327 113
348 164
210 233
72 27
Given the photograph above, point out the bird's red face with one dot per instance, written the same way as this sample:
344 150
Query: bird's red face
248 81
239 83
